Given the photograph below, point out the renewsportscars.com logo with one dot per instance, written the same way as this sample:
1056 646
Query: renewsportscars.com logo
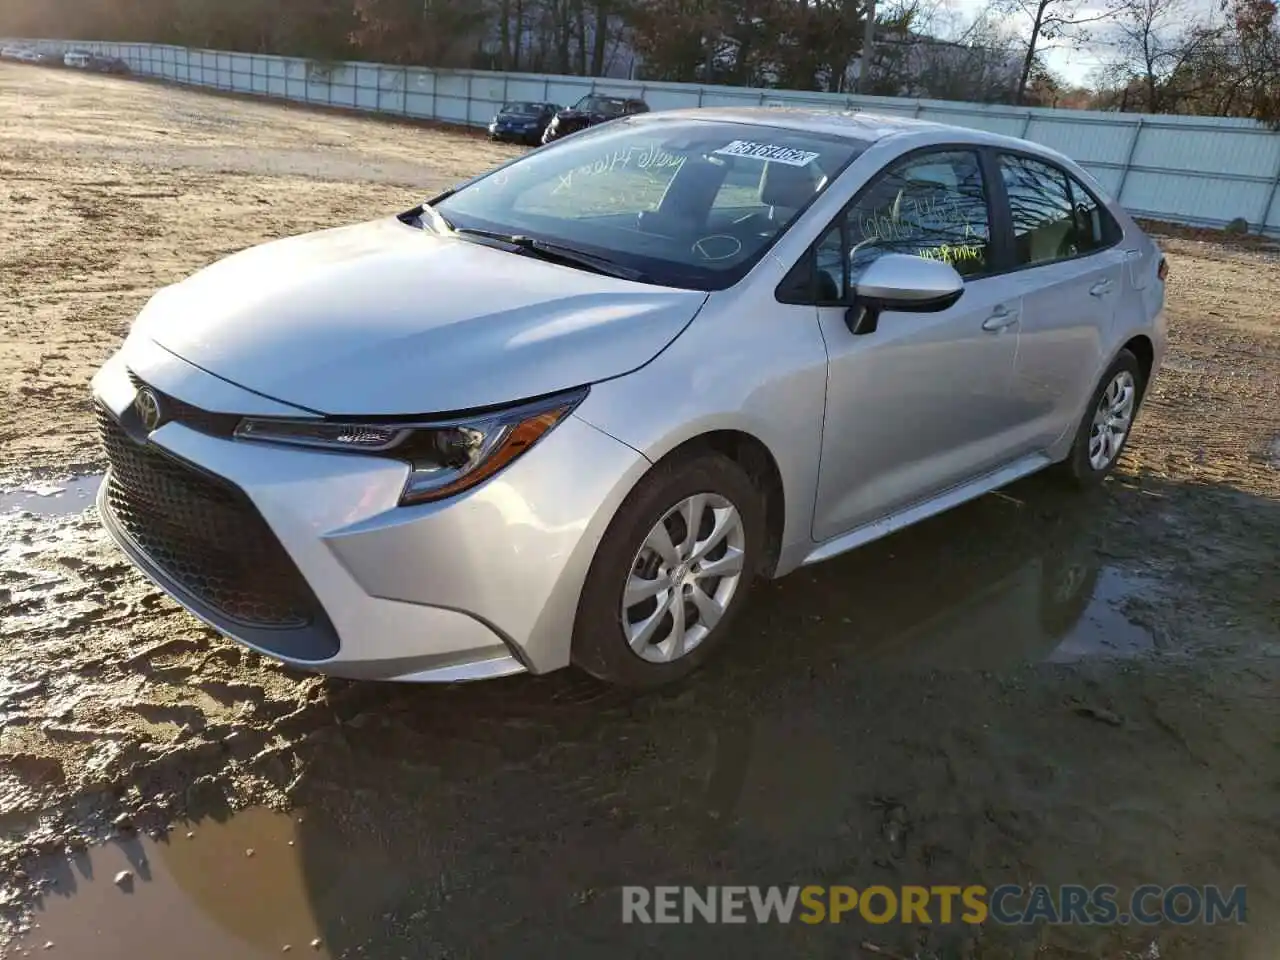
1007 904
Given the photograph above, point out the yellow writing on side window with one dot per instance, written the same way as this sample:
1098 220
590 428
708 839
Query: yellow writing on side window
950 254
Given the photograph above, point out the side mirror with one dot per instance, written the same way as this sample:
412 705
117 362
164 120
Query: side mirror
899 281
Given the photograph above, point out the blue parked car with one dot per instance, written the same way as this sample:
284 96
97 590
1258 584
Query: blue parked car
523 122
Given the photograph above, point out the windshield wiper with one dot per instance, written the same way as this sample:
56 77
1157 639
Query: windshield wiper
438 219
556 253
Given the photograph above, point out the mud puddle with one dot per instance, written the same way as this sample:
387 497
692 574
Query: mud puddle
52 499
205 891
939 596
1031 616
1104 629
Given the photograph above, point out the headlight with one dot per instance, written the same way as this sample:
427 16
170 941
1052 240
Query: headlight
446 457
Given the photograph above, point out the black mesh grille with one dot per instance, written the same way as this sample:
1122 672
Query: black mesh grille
203 533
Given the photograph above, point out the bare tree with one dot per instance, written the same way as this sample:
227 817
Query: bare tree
1229 68
1050 20
1152 45
925 50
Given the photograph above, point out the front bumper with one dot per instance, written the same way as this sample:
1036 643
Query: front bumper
484 584
532 135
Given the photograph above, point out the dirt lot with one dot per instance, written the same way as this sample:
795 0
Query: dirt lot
1038 687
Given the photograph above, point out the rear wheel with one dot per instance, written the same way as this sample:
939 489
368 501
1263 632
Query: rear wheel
672 572
1107 423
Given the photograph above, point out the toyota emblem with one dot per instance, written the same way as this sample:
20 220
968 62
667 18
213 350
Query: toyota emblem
147 404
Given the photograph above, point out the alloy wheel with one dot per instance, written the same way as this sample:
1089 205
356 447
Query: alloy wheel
683 577
1112 420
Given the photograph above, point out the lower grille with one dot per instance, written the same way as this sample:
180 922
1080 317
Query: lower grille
204 534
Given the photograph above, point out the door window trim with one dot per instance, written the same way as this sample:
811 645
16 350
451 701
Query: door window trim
1010 266
788 290
999 217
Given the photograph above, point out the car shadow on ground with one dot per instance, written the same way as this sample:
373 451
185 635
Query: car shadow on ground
1017 691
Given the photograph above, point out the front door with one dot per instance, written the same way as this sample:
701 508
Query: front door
923 402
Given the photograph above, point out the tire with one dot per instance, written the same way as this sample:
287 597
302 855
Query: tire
709 482
1079 468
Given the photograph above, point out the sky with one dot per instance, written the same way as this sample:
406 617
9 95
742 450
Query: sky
1073 63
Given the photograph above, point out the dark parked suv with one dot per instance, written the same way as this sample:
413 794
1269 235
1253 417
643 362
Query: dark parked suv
522 121
590 110
108 65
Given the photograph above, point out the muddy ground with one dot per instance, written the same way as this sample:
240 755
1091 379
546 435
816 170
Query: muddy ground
1038 687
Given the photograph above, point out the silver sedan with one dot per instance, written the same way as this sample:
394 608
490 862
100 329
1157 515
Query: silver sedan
567 412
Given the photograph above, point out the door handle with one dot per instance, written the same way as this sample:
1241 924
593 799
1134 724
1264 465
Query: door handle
1001 318
1101 288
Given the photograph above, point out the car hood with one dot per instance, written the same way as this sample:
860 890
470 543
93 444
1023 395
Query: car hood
387 318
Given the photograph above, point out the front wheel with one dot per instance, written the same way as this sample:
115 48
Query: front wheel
671 573
1107 423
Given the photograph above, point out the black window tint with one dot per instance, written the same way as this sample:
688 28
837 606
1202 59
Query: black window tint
1044 219
1096 229
829 261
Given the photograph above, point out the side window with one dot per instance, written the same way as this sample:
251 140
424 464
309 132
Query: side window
1096 229
1045 226
930 205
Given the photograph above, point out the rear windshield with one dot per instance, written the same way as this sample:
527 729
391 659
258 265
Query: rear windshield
525 108
689 203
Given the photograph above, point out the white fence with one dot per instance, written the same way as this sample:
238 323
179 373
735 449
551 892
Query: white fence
1196 170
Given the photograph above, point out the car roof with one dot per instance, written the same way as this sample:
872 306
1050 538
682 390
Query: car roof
857 124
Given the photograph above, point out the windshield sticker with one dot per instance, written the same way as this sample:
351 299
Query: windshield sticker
768 151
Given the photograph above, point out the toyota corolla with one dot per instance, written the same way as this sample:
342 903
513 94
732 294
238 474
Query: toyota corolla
568 411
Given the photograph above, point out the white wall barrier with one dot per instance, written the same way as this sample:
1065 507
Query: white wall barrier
1202 171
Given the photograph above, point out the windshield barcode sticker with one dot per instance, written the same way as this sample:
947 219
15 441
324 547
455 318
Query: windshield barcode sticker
768 151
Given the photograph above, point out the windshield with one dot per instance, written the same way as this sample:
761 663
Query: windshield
525 109
686 203
607 105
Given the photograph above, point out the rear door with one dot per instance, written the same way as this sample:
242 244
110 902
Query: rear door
1069 272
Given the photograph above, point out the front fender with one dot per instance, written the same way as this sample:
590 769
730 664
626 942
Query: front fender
759 371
